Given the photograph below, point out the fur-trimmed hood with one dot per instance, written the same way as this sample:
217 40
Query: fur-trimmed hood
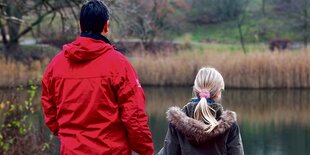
196 130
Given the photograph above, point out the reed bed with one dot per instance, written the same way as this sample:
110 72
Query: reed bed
288 69
14 73
253 70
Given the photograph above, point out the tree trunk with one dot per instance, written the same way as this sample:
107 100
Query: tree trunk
306 36
240 21
264 7
13 24
3 33
241 36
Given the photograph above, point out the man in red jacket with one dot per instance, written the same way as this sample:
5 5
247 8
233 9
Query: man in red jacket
91 95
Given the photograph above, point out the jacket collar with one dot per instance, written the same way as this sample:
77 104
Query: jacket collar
96 36
196 130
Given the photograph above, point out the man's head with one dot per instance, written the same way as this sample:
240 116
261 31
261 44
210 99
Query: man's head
94 17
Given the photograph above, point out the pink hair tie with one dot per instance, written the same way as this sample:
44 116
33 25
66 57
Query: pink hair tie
204 94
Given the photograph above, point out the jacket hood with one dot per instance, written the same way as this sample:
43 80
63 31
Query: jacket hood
196 130
84 49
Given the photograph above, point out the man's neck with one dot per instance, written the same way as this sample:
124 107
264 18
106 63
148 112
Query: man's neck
96 36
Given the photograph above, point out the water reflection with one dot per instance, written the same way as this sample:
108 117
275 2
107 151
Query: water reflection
272 122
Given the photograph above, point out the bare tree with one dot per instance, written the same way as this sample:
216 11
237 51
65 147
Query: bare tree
264 7
143 19
13 26
213 11
297 16
240 20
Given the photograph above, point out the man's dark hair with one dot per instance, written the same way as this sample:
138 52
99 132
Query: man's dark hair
94 15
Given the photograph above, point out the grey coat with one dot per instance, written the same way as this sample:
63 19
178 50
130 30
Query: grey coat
187 136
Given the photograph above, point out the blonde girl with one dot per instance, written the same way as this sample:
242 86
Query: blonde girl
202 126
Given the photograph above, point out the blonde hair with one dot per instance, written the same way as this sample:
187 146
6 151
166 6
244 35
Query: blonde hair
210 80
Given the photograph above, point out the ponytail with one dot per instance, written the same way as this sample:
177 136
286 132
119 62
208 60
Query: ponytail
208 81
203 111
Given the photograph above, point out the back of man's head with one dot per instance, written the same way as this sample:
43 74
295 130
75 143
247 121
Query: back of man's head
94 15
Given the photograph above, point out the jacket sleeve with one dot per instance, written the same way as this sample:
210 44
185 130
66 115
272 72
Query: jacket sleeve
49 107
171 145
234 142
131 101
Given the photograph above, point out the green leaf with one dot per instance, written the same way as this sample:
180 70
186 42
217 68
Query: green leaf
16 123
12 107
6 146
22 131
11 141
45 147
20 87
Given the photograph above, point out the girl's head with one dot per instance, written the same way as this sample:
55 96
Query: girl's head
208 79
208 85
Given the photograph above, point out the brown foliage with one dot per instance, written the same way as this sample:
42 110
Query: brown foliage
253 70
14 73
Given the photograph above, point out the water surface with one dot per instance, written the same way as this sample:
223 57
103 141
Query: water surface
272 122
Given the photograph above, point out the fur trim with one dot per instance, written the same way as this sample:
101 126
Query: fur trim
197 130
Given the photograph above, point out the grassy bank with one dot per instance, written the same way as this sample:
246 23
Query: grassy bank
252 70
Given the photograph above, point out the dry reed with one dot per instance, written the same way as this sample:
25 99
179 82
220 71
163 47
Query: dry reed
15 73
252 70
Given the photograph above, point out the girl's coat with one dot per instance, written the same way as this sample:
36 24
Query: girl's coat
186 135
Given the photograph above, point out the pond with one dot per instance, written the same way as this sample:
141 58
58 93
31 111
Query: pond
272 122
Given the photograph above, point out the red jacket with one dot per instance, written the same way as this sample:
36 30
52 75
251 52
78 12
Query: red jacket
93 101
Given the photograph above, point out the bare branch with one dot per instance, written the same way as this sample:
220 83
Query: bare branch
29 28
3 33
14 19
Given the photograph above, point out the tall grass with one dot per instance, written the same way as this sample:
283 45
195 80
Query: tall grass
15 73
252 70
